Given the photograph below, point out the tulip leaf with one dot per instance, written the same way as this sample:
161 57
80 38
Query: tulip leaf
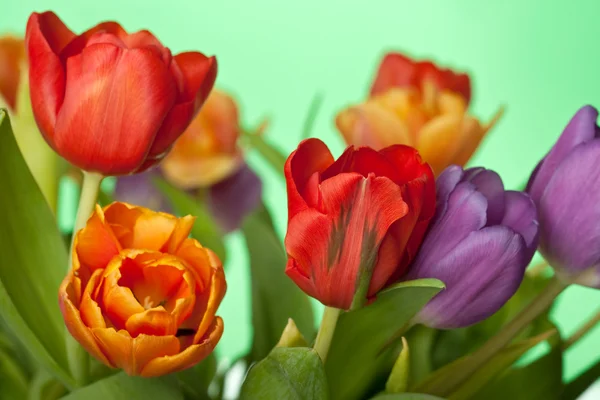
576 387
361 352
287 373
311 116
273 156
406 396
13 382
205 229
195 381
122 386
33 260
275 297
43 386
436 383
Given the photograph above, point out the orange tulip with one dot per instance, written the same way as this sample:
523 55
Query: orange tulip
208 150
12 54
142 296
433 121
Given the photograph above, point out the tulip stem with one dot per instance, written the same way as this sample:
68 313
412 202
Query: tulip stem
326 331
499 341
79 359
581 332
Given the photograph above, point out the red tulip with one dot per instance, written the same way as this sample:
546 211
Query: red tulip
397 70
109 101
356 220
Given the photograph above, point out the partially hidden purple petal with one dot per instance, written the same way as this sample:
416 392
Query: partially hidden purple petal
480 275
580 129
490 185
232 199
521 216
139 190
445 184
569 211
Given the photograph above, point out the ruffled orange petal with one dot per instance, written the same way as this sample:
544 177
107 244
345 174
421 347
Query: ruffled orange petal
119 302
95 245
187 358
197 257
117 346
75 325
437 142
91 314
218 287
147 348
201 171
156 321
182 230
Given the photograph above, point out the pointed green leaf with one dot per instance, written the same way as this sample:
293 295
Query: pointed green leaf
406 396
121 386
287 373
195 381
398 379
360 350
205 229
311 116
291 336
44 387
275 297
33 260
13 382
272 155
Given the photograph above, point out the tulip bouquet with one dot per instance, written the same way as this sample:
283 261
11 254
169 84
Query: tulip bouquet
421 263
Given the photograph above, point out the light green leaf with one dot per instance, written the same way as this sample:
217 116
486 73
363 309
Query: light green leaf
359 353
205 229
195 381
272 155
406 396
275 297
436 383
311 116
287 373
44 387
291 336
398 379
33 260
121 386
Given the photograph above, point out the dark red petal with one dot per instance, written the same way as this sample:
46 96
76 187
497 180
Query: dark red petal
78 43
444 79
334 249
199 74
312 156
173 126
115 102
408 164
45 37
395 70
362 160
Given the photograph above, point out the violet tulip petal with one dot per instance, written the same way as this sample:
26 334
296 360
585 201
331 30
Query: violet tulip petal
489 184
465 213
569 211
445 184
235 197
481 273
580 129
521 216
139 190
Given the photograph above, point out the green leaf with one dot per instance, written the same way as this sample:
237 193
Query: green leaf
273 156
359 354
13 382
540 380
576 387
398 379
287 373
33 260
44 387
195 381
275 297
406 396
291 336
311 116
121 386
500 362
421 340
205 229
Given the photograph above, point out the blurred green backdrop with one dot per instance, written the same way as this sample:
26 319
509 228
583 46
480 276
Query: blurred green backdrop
535 57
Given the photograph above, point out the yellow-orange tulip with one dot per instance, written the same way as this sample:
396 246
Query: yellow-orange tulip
142 296
208 150
12 55
434 122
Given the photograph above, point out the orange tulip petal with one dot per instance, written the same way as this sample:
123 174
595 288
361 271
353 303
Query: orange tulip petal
118 347
119 302
187 358
95 245
198 259
77 328
437 141
156 321
182 230
91 314
218 288
147 348
153 230
201 171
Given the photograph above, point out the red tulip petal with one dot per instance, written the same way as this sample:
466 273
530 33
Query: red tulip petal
45 38
395 70
114 104
312 156
187 358
362 160
338 247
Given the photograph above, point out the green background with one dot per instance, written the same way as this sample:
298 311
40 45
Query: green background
536 57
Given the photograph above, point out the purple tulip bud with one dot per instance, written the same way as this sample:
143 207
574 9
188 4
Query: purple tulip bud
565 186
479 244
229 201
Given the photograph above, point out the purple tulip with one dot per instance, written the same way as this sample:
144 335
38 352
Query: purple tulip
565 186
479 244
229 201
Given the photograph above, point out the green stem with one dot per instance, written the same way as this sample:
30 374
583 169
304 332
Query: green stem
326 331
79 359
496 343
581 332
